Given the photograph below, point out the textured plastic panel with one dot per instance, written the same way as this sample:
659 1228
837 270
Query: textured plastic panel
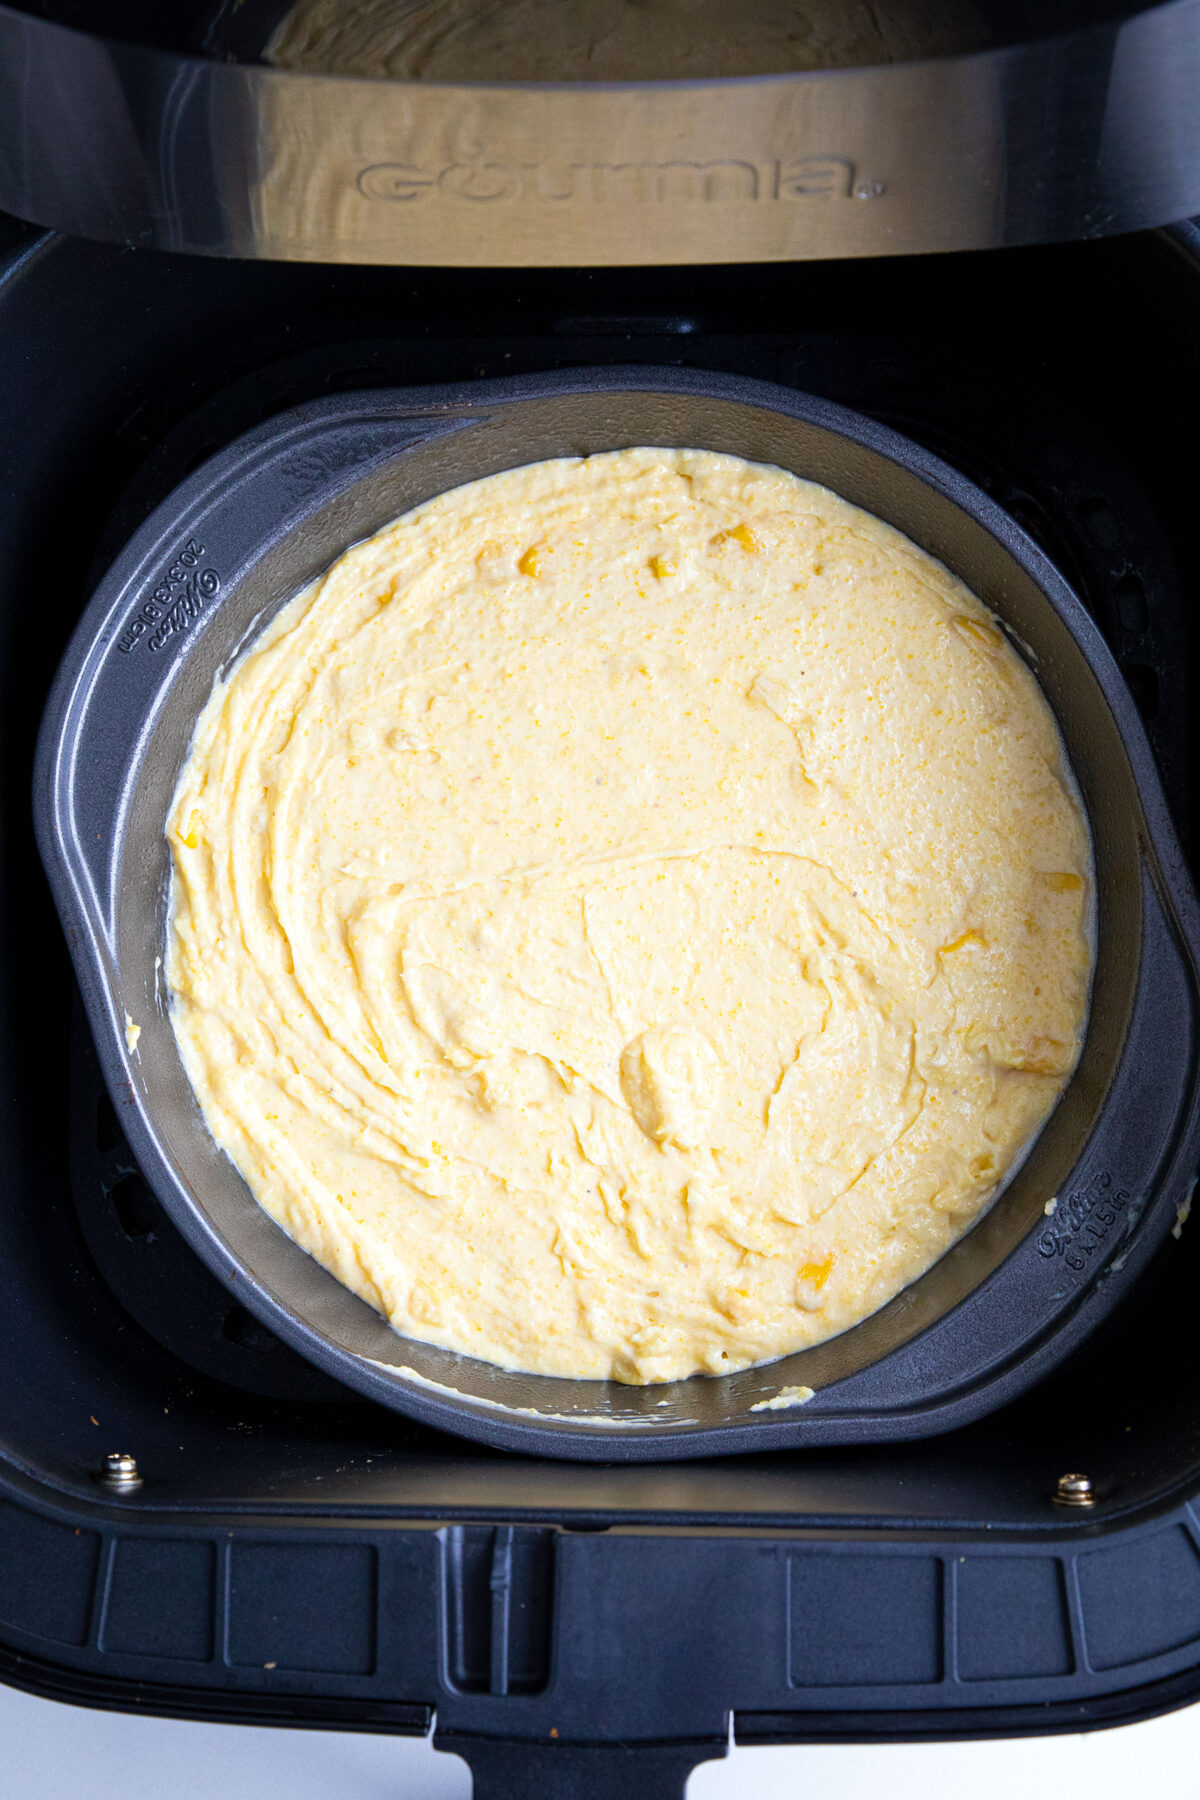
769 1625
161 1599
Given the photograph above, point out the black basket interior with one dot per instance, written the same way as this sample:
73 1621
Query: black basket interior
1064 382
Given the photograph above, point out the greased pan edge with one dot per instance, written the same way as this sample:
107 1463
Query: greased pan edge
245 532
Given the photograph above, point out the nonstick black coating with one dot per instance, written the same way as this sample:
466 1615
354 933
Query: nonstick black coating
252 526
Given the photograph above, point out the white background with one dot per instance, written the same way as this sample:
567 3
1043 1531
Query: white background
54 1752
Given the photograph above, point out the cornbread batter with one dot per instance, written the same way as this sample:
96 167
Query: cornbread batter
629 915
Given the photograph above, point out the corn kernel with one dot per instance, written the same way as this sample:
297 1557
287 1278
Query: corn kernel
816 1274
739 534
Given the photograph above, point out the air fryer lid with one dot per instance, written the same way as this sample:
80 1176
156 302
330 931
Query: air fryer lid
939 125
252 526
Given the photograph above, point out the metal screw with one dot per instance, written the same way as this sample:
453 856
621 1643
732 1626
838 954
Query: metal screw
119 1471
1075 1490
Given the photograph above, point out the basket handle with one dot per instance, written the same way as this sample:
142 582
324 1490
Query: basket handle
504 1770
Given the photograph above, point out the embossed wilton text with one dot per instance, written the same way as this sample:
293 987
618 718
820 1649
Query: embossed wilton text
179 598
1083 1220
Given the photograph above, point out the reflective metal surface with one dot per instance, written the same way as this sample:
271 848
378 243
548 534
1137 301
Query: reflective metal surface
1091 131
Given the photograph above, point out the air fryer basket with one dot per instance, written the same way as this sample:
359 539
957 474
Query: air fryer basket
259 520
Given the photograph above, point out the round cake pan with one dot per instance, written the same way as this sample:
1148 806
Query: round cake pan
1103 1184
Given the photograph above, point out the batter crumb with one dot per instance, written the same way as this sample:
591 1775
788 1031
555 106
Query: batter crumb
788 1396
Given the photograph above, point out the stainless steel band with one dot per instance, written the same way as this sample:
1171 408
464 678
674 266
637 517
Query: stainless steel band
1081 135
